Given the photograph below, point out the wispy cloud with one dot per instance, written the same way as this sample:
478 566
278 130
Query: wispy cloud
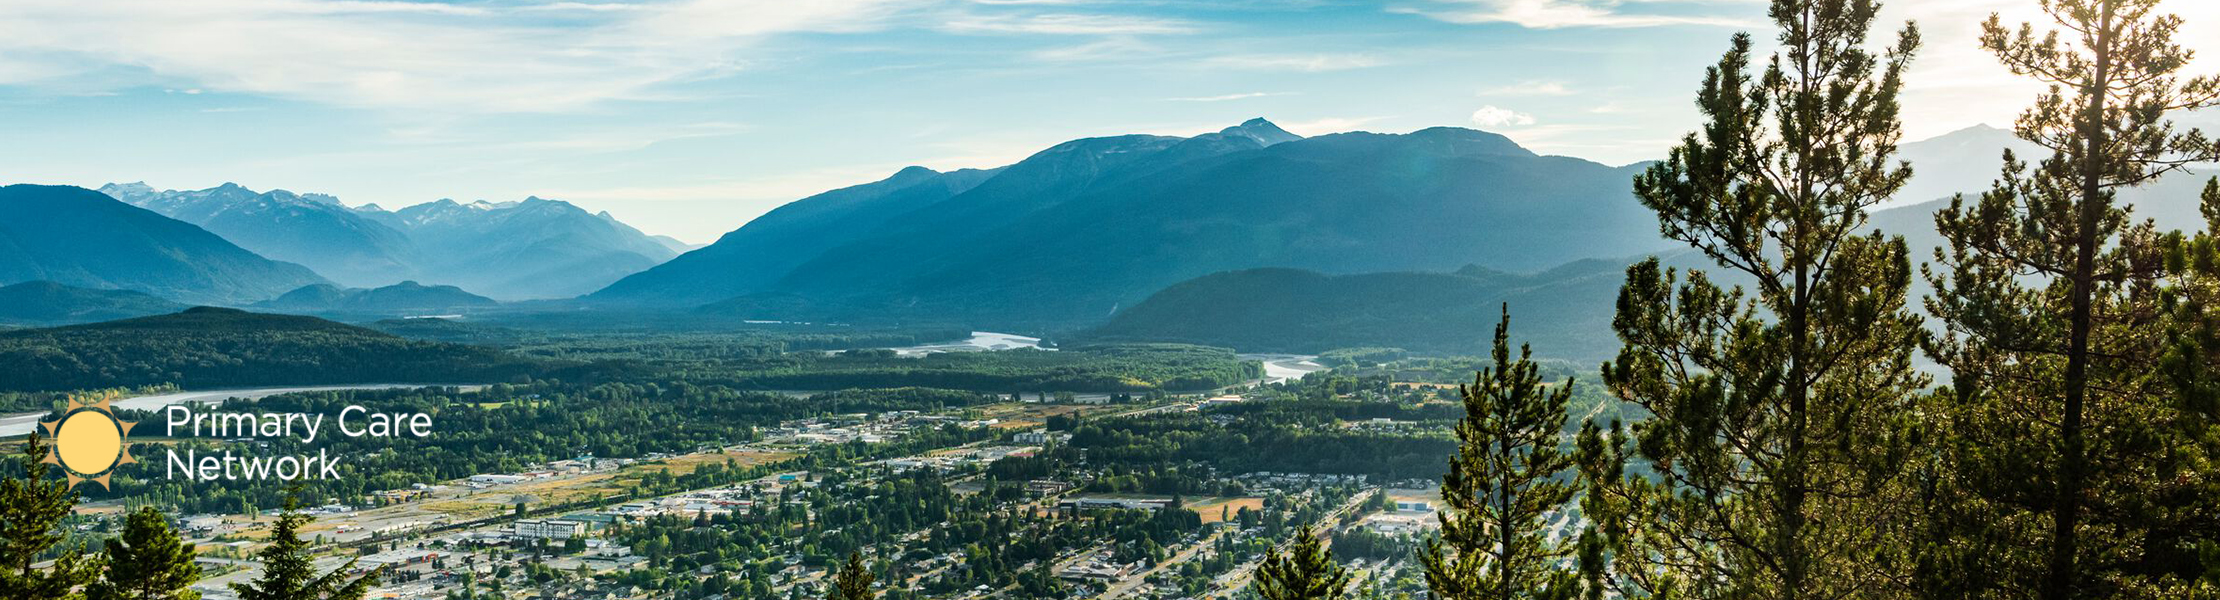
1530 88
419 56
1226 97
1113 48
1295 62
1068 24
584 6
1557 14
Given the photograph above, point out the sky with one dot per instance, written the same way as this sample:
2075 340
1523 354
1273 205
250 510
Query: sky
689 117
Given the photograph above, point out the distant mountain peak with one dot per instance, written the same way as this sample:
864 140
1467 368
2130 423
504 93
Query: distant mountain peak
1263 131
122 190
912 173
1459 141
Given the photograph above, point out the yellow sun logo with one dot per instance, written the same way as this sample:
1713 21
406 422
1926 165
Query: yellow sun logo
89 441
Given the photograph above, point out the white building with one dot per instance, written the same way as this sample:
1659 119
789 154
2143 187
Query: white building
548 529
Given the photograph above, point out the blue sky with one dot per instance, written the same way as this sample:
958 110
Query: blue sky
688 117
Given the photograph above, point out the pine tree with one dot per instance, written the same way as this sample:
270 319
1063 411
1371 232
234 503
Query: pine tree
2189 543
1783 414
31 511
1306 572
148 562
287 573
853 582
1508 474
2060 472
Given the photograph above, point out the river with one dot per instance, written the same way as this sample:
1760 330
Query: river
980 341
1283 367
22 424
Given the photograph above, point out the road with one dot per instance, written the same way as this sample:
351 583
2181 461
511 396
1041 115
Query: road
1238 578
1138 579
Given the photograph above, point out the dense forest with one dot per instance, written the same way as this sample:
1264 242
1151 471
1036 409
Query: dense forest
206 348
698 342
1108 368
215 347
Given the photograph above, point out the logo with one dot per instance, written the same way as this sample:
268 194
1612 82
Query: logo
89 441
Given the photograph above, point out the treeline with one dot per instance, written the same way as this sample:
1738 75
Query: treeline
702 342
214 348
28 402
1115 368
1289 438
207 348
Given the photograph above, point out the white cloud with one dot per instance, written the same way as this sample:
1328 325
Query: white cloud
1226 97
1493 117
415 56
1295 62
1555 14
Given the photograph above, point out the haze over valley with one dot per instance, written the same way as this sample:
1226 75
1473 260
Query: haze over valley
1077 300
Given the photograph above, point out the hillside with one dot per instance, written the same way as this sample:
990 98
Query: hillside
82 238
404 298
203 348
772 245
1567 311
1073 233
49 303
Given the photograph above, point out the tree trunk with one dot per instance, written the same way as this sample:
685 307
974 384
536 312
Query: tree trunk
2066 510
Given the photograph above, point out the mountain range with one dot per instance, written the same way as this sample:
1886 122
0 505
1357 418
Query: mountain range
1250 236
1074 233
1567 311
81 238
535 248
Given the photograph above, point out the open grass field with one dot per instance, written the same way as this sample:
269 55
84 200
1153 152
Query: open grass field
681 465
1430 496
1218 509
1015 415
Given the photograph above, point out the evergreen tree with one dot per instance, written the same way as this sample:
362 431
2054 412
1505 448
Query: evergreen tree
853 582
2065 476
287 573
2192 366
31 511
1508 474
148 562
1306 572
1783 414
